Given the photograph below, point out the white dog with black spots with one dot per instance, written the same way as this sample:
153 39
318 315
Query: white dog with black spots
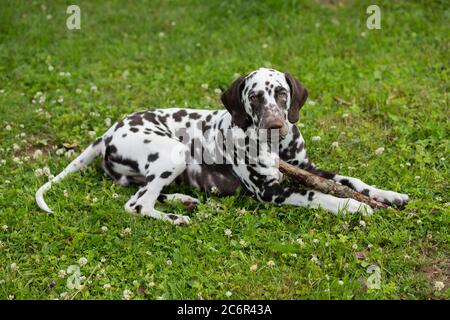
153 148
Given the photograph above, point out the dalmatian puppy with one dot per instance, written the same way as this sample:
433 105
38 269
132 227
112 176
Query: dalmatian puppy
154 148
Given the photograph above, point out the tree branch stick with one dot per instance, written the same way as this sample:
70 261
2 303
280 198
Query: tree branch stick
327 186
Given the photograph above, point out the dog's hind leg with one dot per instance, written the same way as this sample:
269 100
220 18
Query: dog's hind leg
162 171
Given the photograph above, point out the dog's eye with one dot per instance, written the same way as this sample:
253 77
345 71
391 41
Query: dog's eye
282 95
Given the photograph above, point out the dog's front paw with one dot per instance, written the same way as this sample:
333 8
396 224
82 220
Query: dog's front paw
391 198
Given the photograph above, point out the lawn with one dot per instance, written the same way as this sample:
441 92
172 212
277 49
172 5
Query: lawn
60 89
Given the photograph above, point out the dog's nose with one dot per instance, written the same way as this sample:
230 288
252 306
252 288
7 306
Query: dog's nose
274 123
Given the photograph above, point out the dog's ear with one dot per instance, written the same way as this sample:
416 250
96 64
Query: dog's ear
232 101
299 94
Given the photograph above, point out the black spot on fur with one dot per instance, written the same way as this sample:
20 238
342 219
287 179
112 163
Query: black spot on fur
146 141
178 116
310 196
153 157
135 120
150 178
165 174
133 129
108 140
347 183
119 125
366 192
194 116
141 193
96 142
124 135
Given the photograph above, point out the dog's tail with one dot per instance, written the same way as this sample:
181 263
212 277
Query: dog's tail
83 160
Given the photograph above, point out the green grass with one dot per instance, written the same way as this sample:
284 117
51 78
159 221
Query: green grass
145 55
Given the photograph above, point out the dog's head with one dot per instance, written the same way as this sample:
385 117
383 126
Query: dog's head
266 98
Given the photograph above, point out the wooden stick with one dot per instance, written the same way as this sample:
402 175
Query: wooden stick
327 186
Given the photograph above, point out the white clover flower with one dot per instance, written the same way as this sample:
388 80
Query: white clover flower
127 294
169 262
37 154
11 297
335 144
312 103
60 99
78 90
14 267
345 115
173 23
1 244
214 190
115 195
301 125
42 99
300 241
64 295
50 68
439 285
82 261
103 260
293 255
408 164
362 223
243 243
62 273
315 138
341 283
5 227
104 229
106 286
149 253
315 240
333 127
228 294
69 153
108 122
94 199
91 133
151 284
94 88
65 193
16 147
363 34
370 246
417 177
46 171
204 86
379 151
60 152
7 182
217 91
270 263
8 128
265 46
354 246
161 34
228 232
314 258
126 231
